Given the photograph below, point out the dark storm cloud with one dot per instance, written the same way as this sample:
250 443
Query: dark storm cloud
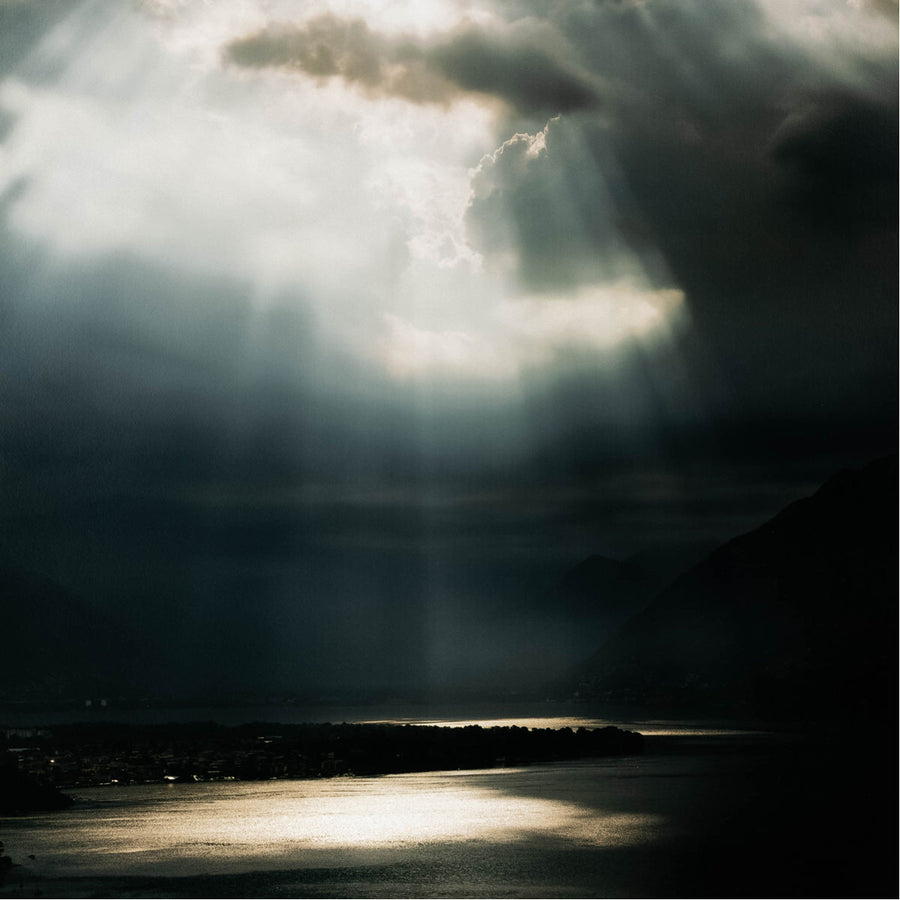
751 163
329 46
285 515
525 66
840 154
704 104
549 200
669 157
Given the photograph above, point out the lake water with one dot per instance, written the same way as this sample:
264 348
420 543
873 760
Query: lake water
716 813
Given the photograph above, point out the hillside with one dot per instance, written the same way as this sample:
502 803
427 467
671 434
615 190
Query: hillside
543 634
795 618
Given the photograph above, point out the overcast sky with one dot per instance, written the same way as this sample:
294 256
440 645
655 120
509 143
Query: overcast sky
329 328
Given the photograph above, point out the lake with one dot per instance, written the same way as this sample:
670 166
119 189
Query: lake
703 812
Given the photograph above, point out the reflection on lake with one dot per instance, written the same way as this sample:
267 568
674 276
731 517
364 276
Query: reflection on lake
195 828
616 827
703 812
661 728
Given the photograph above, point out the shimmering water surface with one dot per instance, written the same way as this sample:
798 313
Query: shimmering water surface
571 830
705 811
232 827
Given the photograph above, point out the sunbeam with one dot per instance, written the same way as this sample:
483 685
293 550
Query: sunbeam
361 323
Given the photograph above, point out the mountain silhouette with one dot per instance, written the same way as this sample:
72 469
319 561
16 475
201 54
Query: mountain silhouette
797 618
545 634
600 588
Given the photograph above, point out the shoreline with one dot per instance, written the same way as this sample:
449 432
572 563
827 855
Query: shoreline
70 757
750 814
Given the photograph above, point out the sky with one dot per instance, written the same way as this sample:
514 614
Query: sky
333 334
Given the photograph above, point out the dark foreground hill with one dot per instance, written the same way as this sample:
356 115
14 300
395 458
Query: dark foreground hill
20 794
797 618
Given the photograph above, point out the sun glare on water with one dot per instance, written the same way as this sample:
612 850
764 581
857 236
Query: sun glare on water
304 824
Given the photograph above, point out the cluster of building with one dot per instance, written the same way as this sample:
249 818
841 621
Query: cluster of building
80 755
66 765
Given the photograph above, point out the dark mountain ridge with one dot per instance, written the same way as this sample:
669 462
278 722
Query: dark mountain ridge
542 635
795 618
